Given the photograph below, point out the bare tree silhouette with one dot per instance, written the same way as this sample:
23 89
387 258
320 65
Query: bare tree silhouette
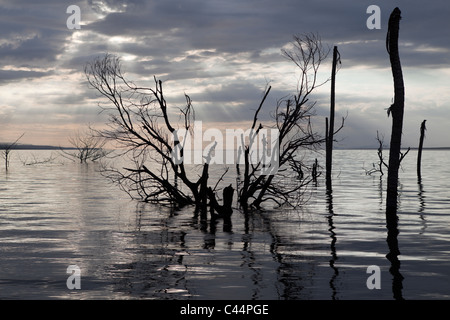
292 118
87 147
141 125
7 150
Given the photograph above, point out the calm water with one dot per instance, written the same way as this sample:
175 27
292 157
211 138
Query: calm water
56 215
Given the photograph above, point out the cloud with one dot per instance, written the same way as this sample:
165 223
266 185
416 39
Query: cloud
223 54
6 76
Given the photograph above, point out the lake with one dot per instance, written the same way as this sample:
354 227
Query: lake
54 215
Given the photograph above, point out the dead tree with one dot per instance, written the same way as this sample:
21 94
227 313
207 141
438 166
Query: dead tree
396 109
381 162
86 146
419 154
395 155
140 125
36 161
7 150
329 134
292 119
314 172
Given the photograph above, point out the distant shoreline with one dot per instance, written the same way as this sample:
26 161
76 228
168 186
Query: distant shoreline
387 148
33 147
46 147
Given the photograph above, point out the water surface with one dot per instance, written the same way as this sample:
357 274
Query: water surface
56 215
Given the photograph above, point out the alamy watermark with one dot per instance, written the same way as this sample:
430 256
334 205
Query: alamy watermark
262 145
374 280
374 20
74 280
73 21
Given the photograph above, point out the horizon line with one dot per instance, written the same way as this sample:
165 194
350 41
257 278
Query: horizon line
26 146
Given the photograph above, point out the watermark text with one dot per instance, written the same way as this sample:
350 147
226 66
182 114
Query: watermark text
74 280
374 20
73 21
210 146
374 280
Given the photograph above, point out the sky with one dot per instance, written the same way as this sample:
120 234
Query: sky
222 54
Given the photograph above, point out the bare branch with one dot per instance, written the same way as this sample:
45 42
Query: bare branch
86 146
292 118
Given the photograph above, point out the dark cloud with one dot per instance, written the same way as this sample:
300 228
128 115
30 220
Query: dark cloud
38 49
32 32
220 52
164 29
6 76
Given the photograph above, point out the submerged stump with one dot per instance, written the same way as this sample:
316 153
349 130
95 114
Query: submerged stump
225 210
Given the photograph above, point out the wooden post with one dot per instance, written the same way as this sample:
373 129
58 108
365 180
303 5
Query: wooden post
419 155
396 109
330 131
225 210
314 171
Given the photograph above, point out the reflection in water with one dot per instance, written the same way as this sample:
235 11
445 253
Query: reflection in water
249 260
380 190
54 216
155 266
178 257
334 256
422 204
394 252
292 268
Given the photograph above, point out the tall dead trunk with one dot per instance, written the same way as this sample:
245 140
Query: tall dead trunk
395 155
396 109
419 155
330 131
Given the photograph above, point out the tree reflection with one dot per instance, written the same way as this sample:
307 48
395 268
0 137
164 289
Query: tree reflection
394 252
333 237
178 255
422 203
